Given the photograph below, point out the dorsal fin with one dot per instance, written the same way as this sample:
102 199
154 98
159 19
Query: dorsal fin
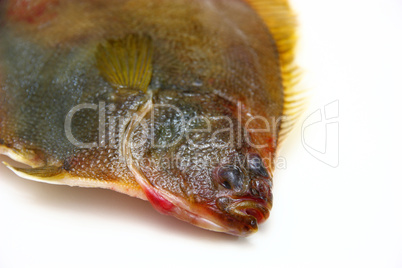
281 22
126 63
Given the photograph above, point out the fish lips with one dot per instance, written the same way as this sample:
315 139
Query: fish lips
242 215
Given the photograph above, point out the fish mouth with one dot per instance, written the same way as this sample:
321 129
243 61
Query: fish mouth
249 208
244 215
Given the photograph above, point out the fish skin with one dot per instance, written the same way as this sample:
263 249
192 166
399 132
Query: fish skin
220 61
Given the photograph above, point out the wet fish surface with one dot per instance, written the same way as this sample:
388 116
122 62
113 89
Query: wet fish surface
178 102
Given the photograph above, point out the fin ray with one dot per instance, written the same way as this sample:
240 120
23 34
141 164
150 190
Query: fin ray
47 173
126 63
59 176
281 22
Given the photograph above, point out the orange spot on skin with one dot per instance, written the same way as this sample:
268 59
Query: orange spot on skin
32 12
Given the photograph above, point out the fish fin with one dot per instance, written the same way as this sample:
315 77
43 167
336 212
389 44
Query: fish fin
59 176
28 157
47 173
281 22
294 106
126 63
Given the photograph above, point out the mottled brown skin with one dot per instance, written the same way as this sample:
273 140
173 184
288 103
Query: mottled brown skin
211 58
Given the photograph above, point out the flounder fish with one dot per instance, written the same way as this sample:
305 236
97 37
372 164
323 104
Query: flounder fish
178 102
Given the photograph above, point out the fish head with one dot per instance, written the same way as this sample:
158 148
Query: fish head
196 164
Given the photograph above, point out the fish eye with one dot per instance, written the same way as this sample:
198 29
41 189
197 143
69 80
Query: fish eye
231 177
256 166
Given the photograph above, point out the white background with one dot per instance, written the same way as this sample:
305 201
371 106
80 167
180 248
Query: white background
348 216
